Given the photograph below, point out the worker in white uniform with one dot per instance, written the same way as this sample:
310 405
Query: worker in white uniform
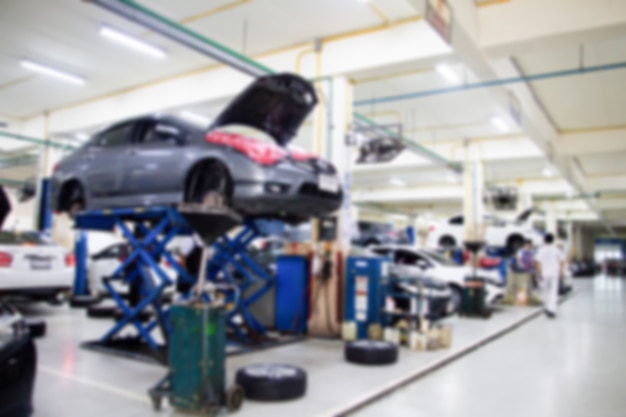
549 266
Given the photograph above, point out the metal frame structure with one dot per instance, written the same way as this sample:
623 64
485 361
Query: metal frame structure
154 228
141 266
232 261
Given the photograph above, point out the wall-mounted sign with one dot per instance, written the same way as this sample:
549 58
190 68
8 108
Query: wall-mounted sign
439 16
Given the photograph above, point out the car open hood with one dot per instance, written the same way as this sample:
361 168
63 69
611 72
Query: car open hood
524 215
275 104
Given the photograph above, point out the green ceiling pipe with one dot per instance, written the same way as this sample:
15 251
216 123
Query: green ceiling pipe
137 13
36 141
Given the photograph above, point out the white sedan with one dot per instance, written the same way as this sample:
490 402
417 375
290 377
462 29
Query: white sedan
33 266
104 263
499 233
442 268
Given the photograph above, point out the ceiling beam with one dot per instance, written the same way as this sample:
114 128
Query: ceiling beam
526 26
593 141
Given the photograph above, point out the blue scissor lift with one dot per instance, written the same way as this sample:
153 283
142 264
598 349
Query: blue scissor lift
148 231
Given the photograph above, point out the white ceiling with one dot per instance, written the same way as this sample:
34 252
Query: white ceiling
64 34
581 101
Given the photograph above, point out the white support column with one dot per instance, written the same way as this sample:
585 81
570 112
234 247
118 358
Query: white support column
551 220
340 102
473 186
570 250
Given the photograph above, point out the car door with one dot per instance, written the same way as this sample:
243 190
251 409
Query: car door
103 175
496 231
155 164
103 265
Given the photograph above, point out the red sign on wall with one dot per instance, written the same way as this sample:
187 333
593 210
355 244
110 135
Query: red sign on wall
439 16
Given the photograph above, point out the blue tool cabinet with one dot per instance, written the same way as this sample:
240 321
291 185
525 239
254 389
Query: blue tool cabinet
366 283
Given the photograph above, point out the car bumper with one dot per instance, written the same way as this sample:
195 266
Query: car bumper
44 281
291 202
494 293
38 293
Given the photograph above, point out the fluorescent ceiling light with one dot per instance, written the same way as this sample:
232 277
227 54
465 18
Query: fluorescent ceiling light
547 172
132 42
194 117
397 182
448 73
499 124
51 72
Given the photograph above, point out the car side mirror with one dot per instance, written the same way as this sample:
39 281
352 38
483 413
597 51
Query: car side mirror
169 133
422 264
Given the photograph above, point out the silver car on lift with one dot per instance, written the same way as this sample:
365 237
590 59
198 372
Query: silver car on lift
163 160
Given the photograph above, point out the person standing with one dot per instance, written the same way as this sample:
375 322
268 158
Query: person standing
549 266
526 261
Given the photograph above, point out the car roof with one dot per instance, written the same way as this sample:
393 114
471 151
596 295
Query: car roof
159 117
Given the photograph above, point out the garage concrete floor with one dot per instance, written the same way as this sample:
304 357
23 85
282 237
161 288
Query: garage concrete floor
75 382
573 366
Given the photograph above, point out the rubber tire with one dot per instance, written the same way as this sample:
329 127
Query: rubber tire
77 196
272 382
447 242
101 312
37 327
80 301
210 184
514 244
371 352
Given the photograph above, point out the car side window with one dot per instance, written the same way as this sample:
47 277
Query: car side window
116 136
162 132
406 258
458 220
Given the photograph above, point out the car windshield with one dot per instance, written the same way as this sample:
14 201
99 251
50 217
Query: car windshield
23 239
443 260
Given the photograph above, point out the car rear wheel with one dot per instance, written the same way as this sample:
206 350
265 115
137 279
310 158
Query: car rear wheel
210 184
514 244
447 242
73 199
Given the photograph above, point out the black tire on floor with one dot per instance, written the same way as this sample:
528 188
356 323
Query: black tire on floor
272 382
80 301
36 327
101 312
371 352
143 316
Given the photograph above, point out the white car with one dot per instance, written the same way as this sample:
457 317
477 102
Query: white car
104 263
439 267
499 233
33 266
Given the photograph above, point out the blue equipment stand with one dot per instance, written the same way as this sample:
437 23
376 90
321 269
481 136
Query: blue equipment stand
141 270
232 264
365 281
80 255
157 226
